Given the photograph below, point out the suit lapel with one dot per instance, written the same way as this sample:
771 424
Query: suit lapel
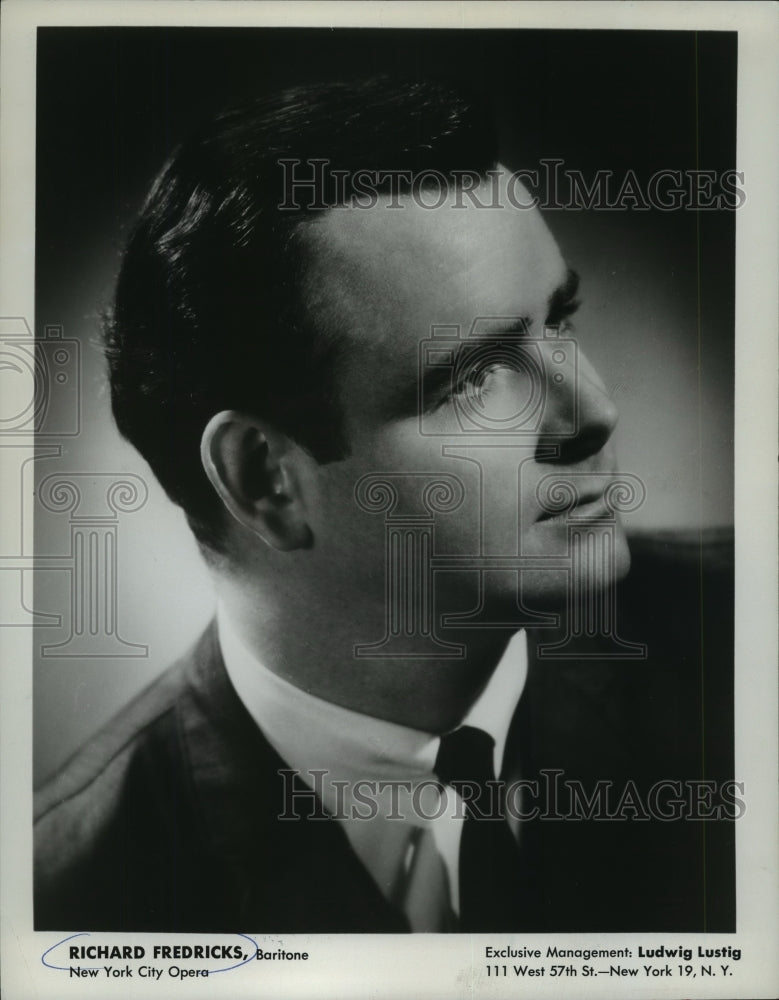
293 875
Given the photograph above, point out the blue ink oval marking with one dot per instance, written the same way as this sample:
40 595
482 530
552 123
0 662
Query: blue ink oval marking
211 972
243 962
70 937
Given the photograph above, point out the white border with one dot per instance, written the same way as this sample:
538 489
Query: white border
445 966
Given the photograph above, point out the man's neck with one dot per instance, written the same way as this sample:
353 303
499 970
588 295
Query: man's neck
314 649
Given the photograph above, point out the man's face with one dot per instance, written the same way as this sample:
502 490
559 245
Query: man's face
492 412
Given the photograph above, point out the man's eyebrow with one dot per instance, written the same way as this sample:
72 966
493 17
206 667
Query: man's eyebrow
435 373
562 300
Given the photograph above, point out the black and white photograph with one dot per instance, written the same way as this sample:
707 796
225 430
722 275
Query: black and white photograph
382 529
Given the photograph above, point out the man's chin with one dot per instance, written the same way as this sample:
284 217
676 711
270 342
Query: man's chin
596 562
591 560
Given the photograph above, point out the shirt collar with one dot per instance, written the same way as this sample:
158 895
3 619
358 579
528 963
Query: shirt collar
309 732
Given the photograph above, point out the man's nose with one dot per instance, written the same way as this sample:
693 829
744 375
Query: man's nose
579 415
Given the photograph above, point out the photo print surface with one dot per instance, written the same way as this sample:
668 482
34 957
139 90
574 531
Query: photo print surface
420 344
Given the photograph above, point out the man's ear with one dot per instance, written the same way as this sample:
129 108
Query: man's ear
252 468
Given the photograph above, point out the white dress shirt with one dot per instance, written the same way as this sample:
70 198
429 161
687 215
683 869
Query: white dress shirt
410 845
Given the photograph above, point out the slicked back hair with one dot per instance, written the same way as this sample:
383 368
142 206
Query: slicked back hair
209 311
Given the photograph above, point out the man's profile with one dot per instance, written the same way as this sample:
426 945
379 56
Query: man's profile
278 365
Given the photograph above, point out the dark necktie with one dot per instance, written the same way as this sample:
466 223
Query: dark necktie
491 882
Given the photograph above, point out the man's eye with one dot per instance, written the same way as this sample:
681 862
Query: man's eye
472 381
476 380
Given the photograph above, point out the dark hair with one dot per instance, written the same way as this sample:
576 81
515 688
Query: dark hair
209 310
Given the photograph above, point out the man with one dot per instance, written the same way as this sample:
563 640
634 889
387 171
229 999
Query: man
338 305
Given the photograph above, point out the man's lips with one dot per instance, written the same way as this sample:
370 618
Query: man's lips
585 503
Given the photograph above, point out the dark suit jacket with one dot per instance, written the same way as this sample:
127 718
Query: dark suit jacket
167 819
